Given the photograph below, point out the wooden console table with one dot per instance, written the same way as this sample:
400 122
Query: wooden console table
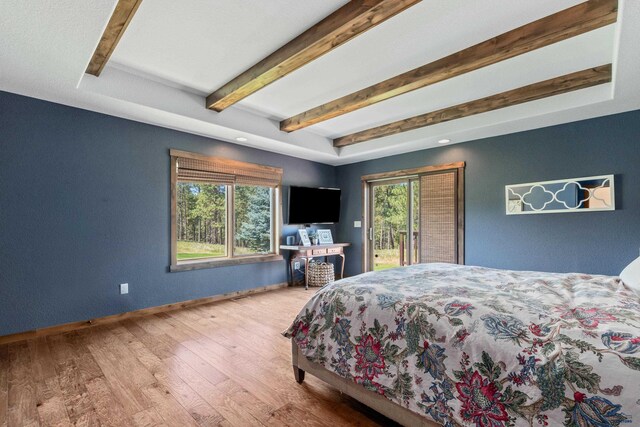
314 251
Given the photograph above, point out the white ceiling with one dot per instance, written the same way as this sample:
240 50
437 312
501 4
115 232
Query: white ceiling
175 53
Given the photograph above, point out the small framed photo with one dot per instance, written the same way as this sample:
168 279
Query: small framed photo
325 237
304 238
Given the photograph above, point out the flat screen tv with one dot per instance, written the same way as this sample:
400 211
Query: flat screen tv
314 205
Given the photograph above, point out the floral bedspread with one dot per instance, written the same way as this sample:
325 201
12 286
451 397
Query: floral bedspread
477 346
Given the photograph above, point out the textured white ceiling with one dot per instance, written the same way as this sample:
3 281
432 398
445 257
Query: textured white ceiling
175 53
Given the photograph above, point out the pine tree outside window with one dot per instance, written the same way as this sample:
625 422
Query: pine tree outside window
253 220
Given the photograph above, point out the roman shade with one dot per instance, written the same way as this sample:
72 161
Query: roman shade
439 217
191 167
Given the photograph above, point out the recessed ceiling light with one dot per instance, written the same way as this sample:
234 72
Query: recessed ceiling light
241 139
444 141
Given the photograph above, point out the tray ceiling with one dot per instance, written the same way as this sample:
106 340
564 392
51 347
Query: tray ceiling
174 54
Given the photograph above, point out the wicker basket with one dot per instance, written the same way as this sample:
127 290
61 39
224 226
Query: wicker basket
320 273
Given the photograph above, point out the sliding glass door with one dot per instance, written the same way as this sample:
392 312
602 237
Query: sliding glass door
413 216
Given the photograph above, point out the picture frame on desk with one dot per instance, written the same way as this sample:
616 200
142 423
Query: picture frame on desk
325 237
304 238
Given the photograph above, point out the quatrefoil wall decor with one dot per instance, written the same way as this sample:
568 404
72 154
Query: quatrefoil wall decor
593 193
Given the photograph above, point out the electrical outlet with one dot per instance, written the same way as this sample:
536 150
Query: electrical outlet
124 288
296 265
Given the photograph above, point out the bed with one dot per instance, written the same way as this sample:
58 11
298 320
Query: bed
444 344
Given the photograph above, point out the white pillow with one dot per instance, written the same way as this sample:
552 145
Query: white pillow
631 275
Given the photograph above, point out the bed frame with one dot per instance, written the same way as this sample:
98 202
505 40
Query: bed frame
391 410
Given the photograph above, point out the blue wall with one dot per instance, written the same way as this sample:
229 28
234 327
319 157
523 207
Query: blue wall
592 242
84 206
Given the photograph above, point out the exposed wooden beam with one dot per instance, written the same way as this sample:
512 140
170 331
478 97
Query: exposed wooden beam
349 21
118 23
567 83
554 28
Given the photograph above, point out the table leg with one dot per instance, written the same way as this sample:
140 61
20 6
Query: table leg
306 276
291 260
342 272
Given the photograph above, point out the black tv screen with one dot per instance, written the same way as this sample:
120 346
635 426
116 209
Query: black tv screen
314 205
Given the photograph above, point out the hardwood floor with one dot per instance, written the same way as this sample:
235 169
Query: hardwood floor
221 364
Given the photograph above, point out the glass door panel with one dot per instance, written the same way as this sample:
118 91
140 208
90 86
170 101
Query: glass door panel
390 214
415 222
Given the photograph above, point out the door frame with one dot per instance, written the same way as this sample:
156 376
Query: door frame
369 181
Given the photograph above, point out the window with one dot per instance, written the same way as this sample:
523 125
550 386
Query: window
224 212
201 220
254 231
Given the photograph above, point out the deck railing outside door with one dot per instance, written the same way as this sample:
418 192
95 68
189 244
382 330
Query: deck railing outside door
403 242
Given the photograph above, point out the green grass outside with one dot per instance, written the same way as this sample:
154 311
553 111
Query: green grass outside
387 258
196 250
378 266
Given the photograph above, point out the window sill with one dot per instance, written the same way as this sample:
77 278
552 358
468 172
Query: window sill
225 262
